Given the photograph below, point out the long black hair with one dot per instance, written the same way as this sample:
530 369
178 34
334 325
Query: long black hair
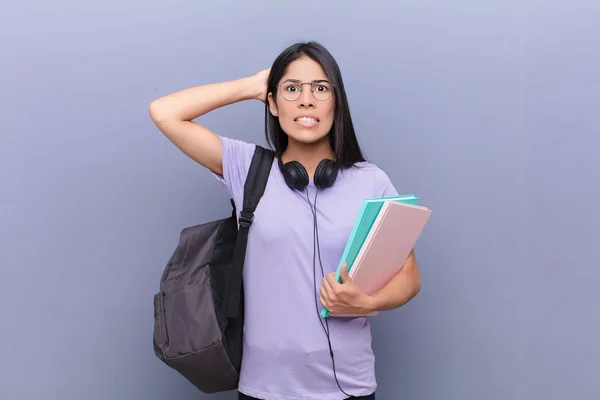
342 136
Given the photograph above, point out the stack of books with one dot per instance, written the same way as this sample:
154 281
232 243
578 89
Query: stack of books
384 233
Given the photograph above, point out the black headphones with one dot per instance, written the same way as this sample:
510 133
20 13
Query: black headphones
296 177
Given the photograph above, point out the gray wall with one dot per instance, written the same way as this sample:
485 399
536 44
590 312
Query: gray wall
487 110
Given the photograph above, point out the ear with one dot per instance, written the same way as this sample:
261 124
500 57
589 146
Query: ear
272 104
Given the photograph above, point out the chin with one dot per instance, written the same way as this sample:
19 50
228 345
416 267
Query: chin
308 138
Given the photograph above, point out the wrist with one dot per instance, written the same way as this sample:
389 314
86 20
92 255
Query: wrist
252 88
371 304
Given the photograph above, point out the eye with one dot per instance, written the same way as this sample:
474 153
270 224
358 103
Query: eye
290 87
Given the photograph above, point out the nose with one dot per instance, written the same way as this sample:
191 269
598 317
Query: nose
306 98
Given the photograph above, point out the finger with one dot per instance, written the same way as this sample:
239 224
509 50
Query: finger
323 292
327 306
328 288
333 283
344 273
324 303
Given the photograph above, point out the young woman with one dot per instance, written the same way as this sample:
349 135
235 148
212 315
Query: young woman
318 181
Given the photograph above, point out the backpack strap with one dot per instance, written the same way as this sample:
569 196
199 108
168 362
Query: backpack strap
254 187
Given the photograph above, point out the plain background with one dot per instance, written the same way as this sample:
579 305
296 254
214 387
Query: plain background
488 110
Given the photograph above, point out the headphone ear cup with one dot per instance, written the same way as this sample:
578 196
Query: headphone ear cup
295 174
326 173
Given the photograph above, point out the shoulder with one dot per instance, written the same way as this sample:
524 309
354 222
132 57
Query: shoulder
236 150
381 183
370 169
237 156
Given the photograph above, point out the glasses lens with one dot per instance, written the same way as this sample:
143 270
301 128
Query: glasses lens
290 90
322 90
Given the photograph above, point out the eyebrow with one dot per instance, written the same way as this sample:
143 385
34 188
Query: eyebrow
314 80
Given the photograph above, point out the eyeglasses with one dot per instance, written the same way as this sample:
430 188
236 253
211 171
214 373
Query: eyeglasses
291 89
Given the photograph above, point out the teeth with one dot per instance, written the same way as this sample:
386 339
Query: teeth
306 119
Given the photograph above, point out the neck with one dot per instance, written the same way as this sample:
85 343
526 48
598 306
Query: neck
309 155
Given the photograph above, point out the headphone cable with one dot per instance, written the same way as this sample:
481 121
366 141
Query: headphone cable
317 248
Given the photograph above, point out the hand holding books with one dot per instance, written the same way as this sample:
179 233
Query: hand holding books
345 298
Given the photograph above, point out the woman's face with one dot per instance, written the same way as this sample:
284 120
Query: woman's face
304 103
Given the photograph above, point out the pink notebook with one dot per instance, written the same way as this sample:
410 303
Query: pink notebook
390 241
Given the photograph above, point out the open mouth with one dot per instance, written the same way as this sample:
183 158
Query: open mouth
307 121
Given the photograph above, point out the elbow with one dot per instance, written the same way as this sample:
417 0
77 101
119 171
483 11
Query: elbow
156 113
159 113
417 286
416 276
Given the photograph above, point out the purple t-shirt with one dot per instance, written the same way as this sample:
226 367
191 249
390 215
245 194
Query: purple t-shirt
285 353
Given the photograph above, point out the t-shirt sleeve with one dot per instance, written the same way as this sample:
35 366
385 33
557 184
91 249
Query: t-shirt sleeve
383 185
237 157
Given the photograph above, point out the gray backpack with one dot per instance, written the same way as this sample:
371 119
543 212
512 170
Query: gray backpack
199 309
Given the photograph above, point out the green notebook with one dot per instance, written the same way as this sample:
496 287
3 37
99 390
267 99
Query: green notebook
362 226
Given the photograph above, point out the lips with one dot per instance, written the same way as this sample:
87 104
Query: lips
307 122
307 119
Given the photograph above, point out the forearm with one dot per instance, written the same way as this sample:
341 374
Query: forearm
400 289
188 104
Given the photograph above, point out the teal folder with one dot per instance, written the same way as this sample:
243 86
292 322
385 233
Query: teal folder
362 226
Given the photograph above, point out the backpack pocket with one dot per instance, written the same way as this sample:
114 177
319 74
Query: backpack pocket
187 321
160 330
